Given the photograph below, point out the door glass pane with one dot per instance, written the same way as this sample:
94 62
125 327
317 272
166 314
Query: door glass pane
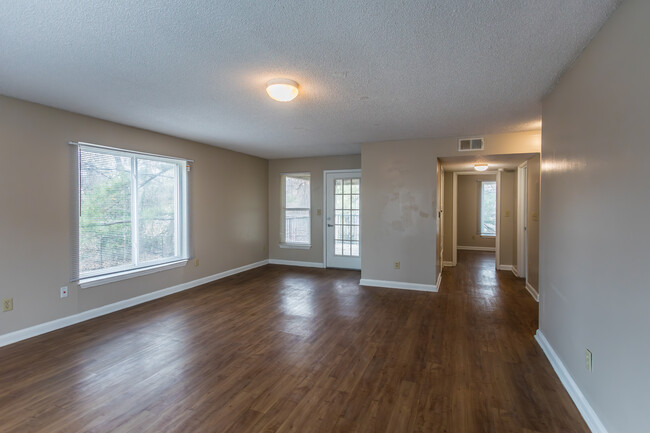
347 204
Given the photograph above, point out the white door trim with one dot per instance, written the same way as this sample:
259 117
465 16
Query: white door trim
522 216
497 241
454 246
325 173
441 217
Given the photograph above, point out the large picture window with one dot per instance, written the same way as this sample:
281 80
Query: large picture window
488 208
132 211
296 209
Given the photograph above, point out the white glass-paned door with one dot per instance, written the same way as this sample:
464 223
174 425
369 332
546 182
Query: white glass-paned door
343 219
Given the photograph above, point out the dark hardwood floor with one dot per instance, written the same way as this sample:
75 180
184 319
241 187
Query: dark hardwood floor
282 349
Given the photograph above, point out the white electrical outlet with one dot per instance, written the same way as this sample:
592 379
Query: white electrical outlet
588 360
397 265
63 292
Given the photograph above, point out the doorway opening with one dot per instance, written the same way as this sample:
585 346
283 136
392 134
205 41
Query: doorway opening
476 213
503 239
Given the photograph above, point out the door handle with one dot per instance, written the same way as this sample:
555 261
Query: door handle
330 225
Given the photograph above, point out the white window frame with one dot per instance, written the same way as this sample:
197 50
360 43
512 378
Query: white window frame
284 209
480 209
108 275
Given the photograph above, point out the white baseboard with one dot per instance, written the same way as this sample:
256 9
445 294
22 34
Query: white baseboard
505 268
587 412
439 281
296 263
33 331
475 248
532 291
398 285
446 264
515 271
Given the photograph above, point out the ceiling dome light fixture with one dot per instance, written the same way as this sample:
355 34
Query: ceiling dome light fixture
282 89
480 167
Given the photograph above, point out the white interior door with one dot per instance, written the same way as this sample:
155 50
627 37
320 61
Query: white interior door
343 219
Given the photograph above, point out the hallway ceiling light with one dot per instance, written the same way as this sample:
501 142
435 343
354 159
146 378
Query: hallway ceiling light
282 89
480 167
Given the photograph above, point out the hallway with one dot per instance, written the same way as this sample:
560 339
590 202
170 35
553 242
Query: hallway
500 375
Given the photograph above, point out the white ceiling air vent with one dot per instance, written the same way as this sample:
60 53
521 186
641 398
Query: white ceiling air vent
468 144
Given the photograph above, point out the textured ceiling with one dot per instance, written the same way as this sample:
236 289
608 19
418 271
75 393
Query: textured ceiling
369 70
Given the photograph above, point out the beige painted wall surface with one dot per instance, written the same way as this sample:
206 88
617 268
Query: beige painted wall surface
228 210
507 225
315 166
398 213
515 247
533 221
398 208
594 223
439 197
467 206
448 216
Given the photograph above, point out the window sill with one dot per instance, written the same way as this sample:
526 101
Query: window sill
488 236
296 246
132 273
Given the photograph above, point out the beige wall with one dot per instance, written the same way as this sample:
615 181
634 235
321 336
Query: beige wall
532 229
399 202
515 246
315 166
439 197
448 215
594 224
228 210
467 207
507 226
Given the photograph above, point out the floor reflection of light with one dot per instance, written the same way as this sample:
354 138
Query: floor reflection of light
297 297
487 276
347 297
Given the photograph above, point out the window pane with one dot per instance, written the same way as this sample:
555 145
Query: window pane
355 202
347 186
296 226
355 186
354 234
354 251
105 211
296 192
157 207
488 208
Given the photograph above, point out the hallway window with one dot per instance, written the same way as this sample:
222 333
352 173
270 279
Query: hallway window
488 209
296 209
